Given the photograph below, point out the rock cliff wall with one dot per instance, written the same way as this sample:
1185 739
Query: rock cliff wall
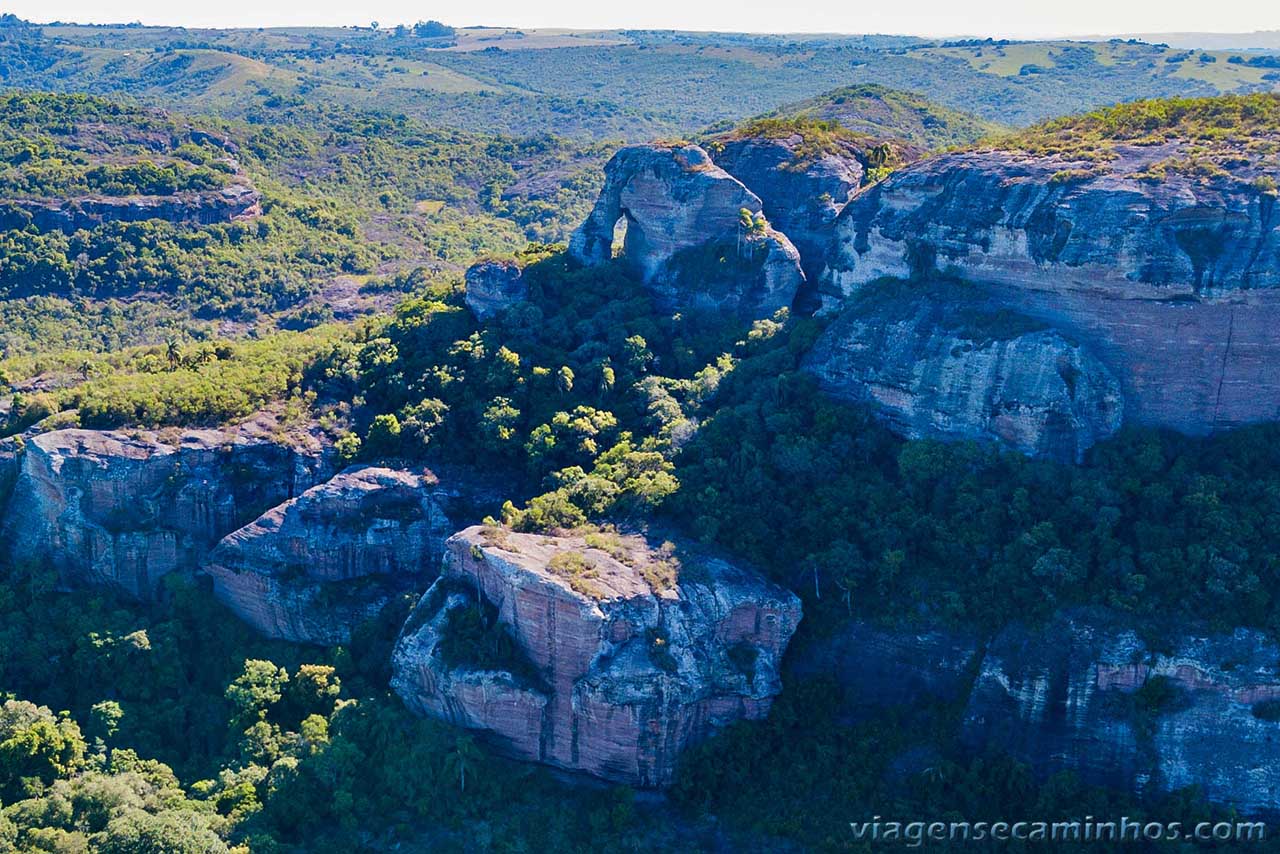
230 204
316 566
127 508
608 672
1169 278
939 366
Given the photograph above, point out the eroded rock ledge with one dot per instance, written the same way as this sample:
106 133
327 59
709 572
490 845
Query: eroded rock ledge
598 653
317 566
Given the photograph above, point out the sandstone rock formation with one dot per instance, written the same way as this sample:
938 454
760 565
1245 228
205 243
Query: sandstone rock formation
940 366
127 508
685 234
801 192
229 204
597 654
10 465
493 286
1085 693
1168 276
313 568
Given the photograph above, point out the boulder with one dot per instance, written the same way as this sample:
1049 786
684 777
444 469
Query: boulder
942 366
1168 276
493 286
599 653
316 566
686 237
125 509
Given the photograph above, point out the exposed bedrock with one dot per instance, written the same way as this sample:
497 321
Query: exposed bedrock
493 286
127 508
942 366
802 193
1085 693
686 235
317 566
607 656
1170 281
229 204
1082 692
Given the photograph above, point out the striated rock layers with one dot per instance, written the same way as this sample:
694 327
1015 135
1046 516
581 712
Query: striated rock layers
942 367
493 286
1167 275
686 237
127 508
802 192
1087 694
229 204
1083 693
320 564
597 654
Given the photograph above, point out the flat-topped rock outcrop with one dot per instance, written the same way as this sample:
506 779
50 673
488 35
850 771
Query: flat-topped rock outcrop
317 566
695 235
1157 248
126 508
598 653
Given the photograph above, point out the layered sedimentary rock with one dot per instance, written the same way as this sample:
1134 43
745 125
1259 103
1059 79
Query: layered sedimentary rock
1085 693
941 366
1168 275
229 204
493 286
616 655
686 235
127 508
10 465
802 192
318 565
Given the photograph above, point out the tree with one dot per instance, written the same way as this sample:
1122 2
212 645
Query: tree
564 380
259 687
464 759
173 353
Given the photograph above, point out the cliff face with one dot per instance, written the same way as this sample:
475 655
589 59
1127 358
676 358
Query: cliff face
610 669
229 204
125 509
320 564
685 236
801 194
944 368
1083 693
1087 694
1169 277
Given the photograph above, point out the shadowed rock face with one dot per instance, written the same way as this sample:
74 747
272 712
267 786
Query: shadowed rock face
315 567
1071 695
684 234
946 368
607 675
125 509
493 286
801 195
1171 283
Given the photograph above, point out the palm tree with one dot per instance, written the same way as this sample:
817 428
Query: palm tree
464 756
173 352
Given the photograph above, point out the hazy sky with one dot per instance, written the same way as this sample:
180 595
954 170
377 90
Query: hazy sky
1007 18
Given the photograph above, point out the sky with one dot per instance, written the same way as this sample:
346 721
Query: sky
997 18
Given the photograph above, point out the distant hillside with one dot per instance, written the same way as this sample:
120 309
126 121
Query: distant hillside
882 112
632 85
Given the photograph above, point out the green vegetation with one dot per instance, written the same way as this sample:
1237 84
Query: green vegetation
1211 128
880 112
